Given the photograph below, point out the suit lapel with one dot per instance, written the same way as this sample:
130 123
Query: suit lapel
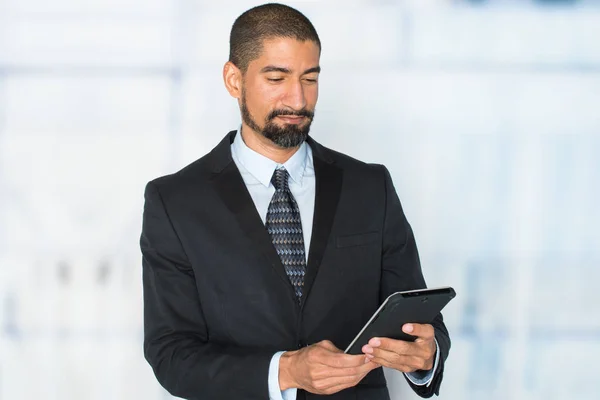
230 186
327 194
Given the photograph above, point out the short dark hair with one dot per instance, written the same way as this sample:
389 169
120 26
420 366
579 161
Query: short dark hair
267 21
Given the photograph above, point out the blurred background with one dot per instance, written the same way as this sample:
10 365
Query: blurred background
487 113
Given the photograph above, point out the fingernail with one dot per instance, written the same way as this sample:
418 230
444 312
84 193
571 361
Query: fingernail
367 359
367 349
370 356
408 328
374 342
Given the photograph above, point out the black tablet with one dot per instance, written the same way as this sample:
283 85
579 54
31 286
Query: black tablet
417 306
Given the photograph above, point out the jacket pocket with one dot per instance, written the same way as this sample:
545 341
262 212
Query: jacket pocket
357 239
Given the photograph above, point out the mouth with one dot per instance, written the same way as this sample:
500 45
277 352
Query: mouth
291 119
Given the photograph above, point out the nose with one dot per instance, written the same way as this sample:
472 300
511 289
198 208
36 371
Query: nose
294 97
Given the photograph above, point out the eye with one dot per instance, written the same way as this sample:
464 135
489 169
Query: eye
274 79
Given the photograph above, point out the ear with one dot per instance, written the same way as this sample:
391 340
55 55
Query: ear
232 76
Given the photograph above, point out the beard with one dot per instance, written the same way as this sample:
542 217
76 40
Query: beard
286 136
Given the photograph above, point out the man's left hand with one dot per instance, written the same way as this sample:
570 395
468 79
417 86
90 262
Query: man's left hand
401 355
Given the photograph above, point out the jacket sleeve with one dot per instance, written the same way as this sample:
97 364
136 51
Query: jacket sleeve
401 270
176 338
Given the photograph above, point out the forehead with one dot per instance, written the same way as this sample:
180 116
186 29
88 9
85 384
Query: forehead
287 52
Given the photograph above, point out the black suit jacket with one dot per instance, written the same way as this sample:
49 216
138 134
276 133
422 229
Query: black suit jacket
217 301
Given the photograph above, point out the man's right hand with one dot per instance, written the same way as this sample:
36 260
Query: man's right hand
322 368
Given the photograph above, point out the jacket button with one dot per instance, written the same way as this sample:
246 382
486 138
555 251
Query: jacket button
301 344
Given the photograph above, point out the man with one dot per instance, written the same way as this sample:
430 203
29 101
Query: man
264 258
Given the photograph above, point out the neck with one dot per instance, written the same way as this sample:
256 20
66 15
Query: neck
265 147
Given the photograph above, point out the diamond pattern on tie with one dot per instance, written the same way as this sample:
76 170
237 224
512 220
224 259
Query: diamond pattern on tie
285 228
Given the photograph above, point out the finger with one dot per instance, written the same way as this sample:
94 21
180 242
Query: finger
332 383
397 346
332 389
392 358
400 362
423 331
342 360
397 364
353 382
327 385
363 369
421 353
401 367
373 365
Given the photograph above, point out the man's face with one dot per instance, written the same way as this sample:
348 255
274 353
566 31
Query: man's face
280 90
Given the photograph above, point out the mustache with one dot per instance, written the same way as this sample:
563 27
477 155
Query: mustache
302 113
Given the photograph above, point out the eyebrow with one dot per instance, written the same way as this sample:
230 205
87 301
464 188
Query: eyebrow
272 68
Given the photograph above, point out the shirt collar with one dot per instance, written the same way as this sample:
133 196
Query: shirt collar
262 167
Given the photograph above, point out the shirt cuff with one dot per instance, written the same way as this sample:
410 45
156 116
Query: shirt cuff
425 378
275 392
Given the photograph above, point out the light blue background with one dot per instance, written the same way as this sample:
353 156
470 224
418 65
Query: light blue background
486 113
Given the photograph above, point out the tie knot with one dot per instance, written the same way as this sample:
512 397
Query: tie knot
280 179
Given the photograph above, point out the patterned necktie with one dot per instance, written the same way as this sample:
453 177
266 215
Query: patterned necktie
284 225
